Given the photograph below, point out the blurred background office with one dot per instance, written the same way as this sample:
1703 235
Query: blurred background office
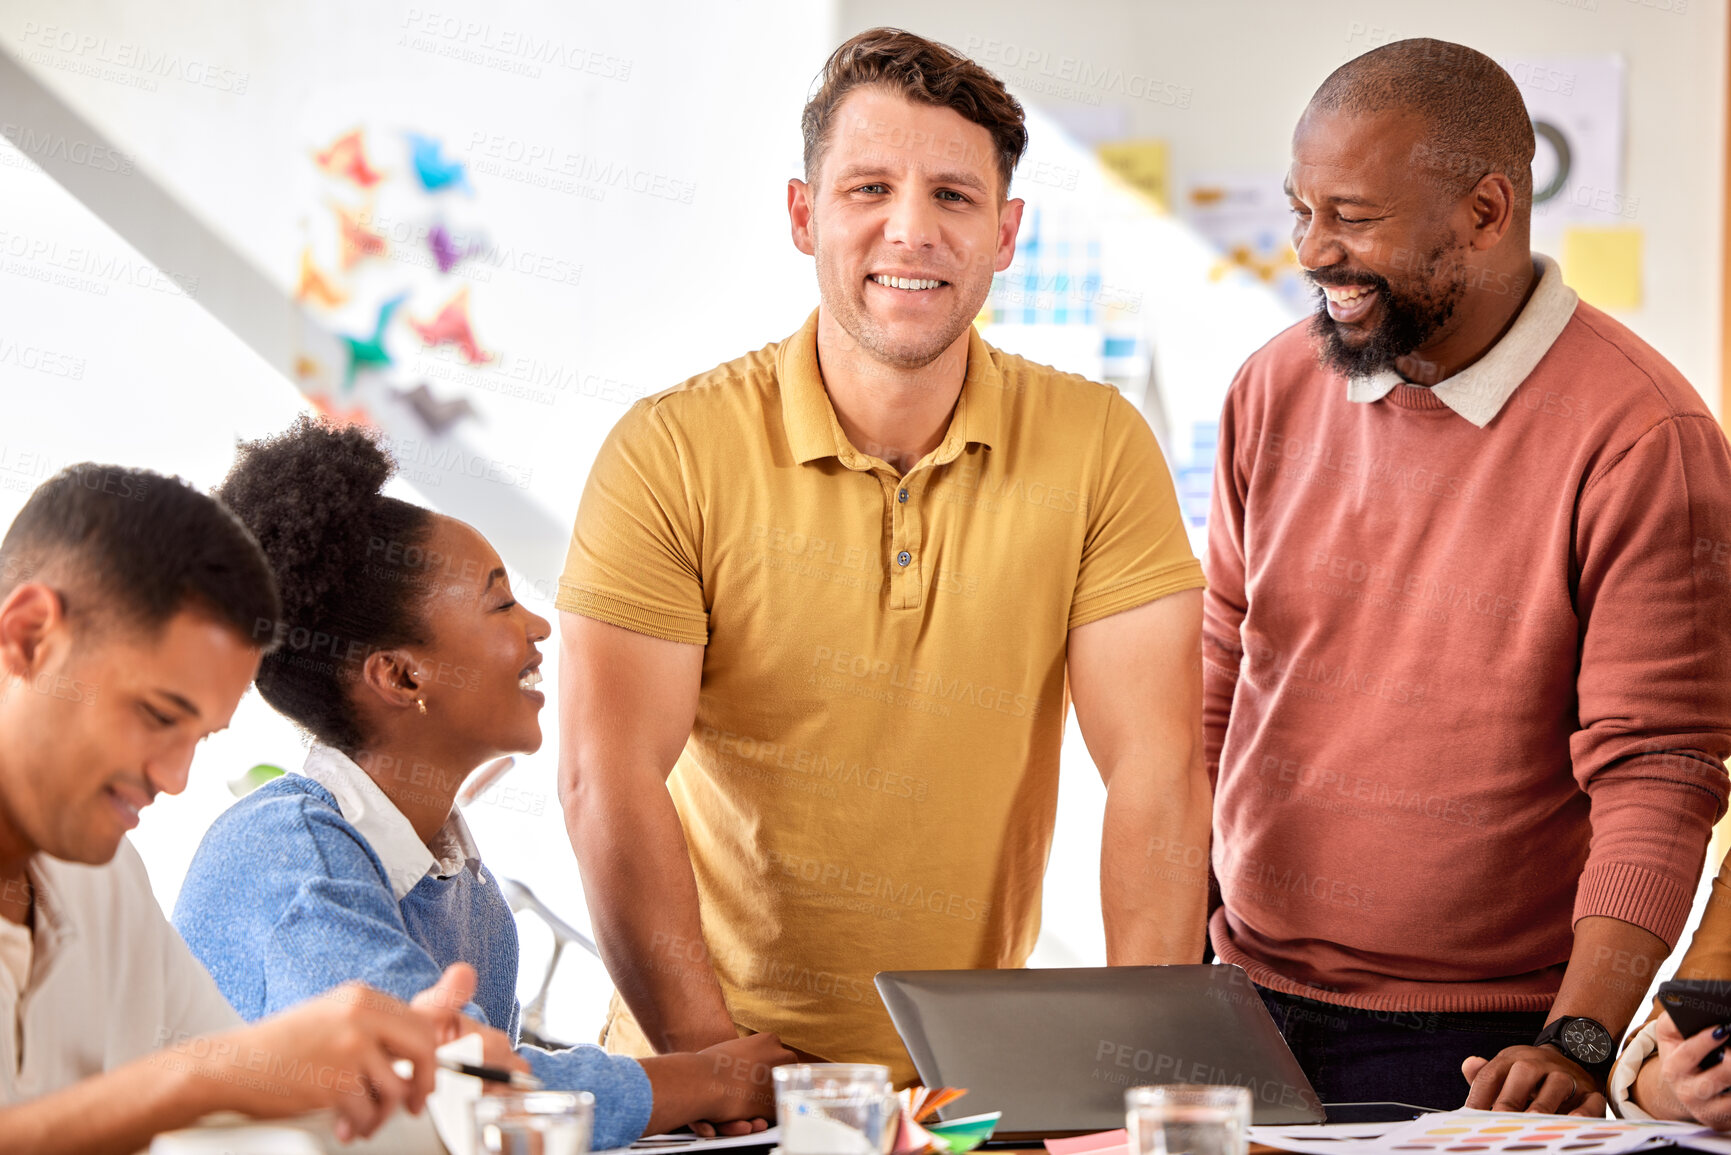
488 228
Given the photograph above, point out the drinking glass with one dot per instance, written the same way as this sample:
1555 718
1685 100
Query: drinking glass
1186 1119
835 1109
534 1123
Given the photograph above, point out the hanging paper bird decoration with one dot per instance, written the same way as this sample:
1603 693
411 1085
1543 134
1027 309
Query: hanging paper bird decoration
358 241
347 158
436 172
370 352
314 286
451 326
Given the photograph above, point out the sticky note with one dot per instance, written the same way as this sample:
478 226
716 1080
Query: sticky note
1143 166
1603 265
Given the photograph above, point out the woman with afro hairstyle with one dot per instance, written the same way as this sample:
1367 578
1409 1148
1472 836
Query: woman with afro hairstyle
404 658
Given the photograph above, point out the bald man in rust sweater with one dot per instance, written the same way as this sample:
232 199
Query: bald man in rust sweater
1468 626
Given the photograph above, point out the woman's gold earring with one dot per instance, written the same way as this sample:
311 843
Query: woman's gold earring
422 703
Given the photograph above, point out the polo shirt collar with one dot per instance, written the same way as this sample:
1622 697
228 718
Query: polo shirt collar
1480 391
813 431
371 812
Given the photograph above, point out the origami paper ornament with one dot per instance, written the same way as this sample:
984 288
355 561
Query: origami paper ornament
369 352
358 241
451 327
445 251
331 411
436 415
314 286
347 158
435 171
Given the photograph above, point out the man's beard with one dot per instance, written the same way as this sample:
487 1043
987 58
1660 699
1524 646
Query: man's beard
1410 317
846 303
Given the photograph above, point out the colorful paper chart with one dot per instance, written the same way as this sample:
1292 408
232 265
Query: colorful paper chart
1504 1131
1492 1133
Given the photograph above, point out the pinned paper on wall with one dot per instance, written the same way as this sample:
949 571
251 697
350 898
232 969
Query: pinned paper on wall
1603 265
1143 166
1578 105
1248 220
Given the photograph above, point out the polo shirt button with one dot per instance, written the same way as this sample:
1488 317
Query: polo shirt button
902 496
904 557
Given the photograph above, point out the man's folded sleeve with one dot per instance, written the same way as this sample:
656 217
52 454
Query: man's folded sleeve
1135 549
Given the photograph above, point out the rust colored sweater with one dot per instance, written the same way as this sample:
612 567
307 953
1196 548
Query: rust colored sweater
1464 685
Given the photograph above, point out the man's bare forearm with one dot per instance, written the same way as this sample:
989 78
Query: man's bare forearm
642 897
1154 865
1610 967
1136 680
626 708
115 1113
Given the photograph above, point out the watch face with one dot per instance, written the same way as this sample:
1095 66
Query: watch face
1586 1041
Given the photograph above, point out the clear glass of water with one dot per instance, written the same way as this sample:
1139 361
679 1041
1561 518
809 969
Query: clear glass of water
1185 1119
534 1123
835 1109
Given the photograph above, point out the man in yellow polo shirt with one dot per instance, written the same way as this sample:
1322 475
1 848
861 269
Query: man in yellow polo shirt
821 603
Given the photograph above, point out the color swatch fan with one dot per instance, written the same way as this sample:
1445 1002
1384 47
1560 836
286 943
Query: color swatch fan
1491 1133
920 1132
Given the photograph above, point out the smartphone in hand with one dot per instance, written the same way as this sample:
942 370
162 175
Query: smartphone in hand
1697 1005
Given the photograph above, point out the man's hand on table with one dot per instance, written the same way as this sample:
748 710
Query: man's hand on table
1537 1079
730 1082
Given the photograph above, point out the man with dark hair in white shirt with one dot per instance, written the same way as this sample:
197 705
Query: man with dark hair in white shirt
133 613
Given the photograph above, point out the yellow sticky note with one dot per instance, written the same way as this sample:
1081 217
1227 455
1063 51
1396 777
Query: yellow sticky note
1142 164
1603 265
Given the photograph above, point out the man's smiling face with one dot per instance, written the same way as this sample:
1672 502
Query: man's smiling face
907 219
97 726
1376 237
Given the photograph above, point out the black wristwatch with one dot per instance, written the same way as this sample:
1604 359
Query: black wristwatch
1587 1042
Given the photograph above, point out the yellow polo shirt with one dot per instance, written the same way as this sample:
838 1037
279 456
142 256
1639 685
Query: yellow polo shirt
872 778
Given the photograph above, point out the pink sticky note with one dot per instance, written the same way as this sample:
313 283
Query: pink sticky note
1105 1143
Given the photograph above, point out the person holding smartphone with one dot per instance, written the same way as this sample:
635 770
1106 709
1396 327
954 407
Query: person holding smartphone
1668 1072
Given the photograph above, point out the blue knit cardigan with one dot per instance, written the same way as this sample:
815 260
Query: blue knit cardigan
285 900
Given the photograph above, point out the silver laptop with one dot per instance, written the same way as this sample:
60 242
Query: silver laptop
1055 1049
